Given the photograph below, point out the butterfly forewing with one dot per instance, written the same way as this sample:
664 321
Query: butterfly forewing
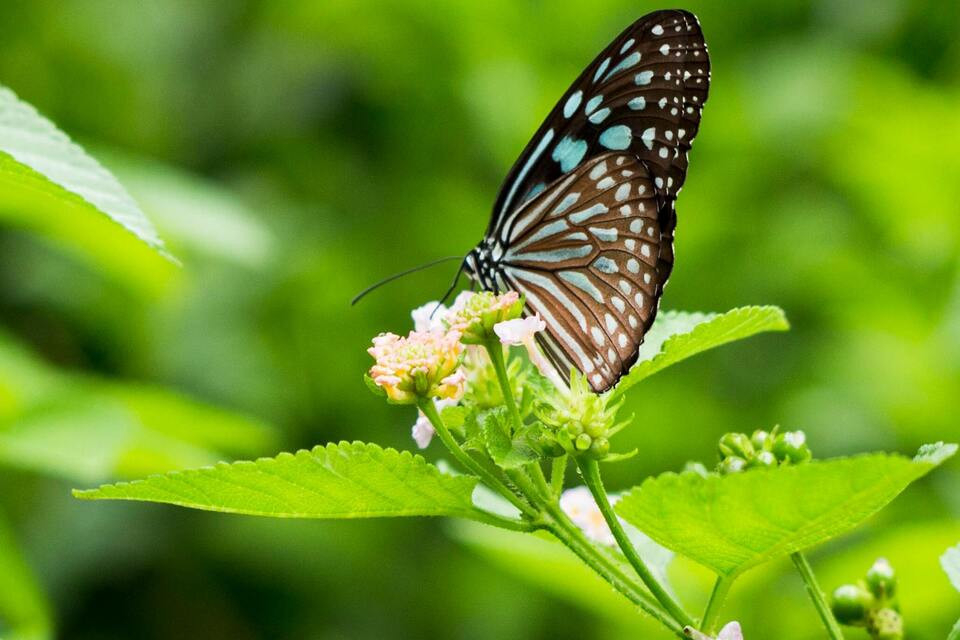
584 252
643 94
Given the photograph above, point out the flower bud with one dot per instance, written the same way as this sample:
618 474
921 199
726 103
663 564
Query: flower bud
886 624
882 579
583 442
735 444
851 603
474 315
791 446
732 464
762 459
761 440
600 448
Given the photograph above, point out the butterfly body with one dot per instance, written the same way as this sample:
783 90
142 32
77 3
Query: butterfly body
583 225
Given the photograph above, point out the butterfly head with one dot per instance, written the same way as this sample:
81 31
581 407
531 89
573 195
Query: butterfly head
480 265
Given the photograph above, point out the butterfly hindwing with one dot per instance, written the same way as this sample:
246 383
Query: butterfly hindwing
643 94
585 252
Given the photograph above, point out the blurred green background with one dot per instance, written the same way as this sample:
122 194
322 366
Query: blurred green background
293 151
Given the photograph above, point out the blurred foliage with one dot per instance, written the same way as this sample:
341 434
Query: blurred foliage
319 146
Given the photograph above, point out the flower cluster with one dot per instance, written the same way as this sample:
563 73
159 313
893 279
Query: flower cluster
581 421
738 451
425 364
474 315
582 509
871 603
730 631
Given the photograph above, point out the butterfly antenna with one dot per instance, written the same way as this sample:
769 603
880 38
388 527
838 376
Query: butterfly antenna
377 285
453 287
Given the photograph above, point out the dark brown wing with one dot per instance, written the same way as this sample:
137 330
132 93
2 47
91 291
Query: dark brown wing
585 254
643 94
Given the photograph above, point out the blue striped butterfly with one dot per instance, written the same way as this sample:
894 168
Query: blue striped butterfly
583 225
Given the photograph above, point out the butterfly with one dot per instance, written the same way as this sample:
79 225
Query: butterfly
583 224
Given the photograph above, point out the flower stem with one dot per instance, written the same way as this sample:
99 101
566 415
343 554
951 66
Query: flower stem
955 632
819 600
720 589
558 469
571 535
430 410
495 349
591 476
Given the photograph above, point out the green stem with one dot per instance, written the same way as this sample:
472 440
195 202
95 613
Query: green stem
495 350
571 535
558 469
591 476
430 410
495 520
819 600
720 589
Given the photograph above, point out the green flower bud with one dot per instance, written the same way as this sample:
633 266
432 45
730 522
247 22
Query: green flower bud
762 459
882 579
851 604
695 467
600 448
583 442
735 444
732 464
886 624
791 446
574 428
761 440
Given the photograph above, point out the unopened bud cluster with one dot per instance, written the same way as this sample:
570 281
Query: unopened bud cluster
474 315
581 421
738 451
871 603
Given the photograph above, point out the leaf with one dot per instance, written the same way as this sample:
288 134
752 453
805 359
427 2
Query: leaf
733 522
507 453
89 429
678 335
950 561
31 140
345 480
24 610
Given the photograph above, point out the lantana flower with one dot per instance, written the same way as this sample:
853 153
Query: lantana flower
425 364
429 317
730 631
522 331
579 505
422 430
474 315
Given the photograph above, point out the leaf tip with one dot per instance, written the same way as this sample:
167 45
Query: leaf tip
935 453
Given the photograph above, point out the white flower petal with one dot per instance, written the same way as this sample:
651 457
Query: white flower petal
422 431
428 317
731 631
579 505
519 330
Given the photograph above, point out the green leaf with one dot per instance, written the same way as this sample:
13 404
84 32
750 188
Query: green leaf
733 522
950 561
24 610
506 452
50 186
345 480
677 335
30 140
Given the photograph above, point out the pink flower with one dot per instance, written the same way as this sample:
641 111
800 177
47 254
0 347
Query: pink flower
475 314
521 331
425 364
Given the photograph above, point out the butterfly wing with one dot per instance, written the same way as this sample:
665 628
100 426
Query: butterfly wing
585 254
643 94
